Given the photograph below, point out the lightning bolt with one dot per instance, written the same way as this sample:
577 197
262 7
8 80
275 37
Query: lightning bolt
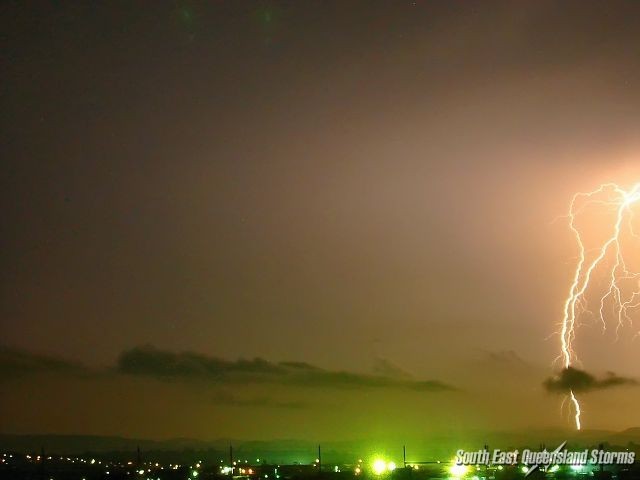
622 291
576 407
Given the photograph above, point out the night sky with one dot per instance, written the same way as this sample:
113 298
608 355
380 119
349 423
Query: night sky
366 190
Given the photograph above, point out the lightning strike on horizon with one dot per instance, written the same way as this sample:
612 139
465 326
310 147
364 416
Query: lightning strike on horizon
623 287
576 408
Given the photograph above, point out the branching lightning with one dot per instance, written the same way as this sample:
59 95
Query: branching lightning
609 261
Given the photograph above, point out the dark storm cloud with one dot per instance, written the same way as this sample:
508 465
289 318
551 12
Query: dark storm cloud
15 362
150 361
229 399
572 379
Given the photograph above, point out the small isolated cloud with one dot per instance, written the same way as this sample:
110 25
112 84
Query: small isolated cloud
298 365
150 361
387 368
573 379
505 357
229 399
15 363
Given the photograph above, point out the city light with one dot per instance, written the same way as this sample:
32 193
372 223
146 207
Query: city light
379 466
458 471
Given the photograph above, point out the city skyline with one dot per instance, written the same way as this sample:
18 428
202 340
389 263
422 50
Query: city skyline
309 220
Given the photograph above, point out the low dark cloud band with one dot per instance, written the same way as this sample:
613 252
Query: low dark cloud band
150 361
